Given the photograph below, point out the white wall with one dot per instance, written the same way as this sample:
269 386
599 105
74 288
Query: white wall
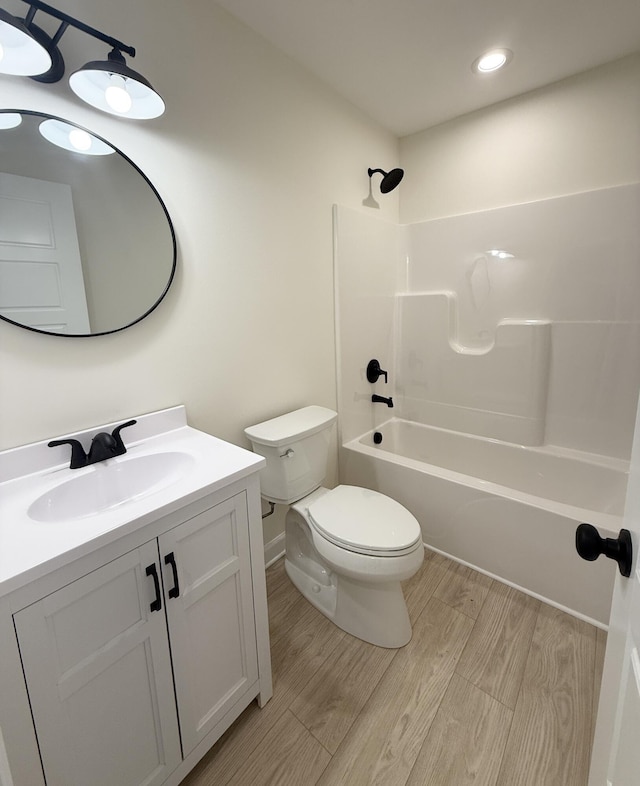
249 158
575 135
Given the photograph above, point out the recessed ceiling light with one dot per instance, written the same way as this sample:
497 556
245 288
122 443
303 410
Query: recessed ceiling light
492 61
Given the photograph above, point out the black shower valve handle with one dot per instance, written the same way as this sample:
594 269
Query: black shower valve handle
374 372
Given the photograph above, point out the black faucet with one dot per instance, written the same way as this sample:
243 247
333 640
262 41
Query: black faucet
103 446
382 400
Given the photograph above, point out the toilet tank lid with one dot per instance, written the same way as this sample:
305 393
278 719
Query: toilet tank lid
292 426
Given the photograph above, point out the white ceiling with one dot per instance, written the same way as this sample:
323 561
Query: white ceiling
407 63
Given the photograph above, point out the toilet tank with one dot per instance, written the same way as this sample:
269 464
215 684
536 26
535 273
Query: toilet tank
296 447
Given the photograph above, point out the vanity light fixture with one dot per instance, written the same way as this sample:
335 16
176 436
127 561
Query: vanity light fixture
72 138
492 61
109 85
20 53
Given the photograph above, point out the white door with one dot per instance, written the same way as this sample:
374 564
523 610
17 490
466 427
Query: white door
41 281
615 759
209 599
98 671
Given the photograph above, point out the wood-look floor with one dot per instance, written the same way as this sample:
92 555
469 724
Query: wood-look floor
494 689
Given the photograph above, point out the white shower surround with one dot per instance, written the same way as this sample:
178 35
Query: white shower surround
507 510
576 268
496 387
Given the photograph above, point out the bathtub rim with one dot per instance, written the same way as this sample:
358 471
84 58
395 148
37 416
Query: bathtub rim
608 521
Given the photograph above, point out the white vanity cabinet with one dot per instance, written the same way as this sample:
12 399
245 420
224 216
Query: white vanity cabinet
97 657
209 605
98 673
129 645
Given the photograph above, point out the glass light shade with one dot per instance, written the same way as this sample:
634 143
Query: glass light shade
20 53
93 80
72 138
9 120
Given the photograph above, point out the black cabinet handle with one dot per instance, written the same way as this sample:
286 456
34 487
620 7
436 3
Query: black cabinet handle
590 545
155 605
171 560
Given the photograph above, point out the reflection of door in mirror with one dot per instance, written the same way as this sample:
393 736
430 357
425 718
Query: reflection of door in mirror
41 281
123 234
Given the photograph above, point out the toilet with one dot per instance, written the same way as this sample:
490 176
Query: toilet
348 548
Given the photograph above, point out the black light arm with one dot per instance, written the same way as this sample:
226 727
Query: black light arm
28 20
37 5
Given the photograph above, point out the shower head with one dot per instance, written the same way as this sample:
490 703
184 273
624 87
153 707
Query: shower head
389 179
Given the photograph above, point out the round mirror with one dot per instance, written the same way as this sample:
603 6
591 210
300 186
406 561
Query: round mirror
86 244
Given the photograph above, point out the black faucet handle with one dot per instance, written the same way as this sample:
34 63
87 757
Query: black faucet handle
116 434
78 456
374 372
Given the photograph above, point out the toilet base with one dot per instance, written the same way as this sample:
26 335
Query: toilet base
375 613
360 593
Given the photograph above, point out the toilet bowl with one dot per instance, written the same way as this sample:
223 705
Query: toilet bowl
355 582
346 549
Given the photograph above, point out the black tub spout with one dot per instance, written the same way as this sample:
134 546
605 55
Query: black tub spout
382 400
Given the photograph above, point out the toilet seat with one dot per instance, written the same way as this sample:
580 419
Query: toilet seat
365 522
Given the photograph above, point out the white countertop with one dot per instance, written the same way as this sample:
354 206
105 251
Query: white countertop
31 549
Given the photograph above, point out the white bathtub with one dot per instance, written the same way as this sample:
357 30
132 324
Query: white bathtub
506 510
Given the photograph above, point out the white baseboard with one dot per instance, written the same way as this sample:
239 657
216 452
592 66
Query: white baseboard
273 550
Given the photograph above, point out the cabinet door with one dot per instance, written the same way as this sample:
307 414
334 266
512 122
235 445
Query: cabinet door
211 617
98 673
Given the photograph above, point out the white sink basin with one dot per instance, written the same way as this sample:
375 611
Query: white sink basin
110 483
